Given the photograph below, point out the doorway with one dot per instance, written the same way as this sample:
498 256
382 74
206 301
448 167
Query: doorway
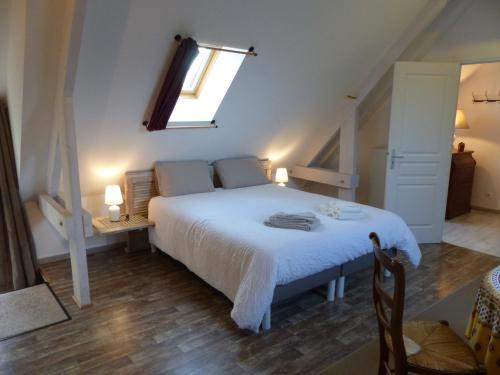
473 204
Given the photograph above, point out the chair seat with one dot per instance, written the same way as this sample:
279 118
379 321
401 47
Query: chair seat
441 349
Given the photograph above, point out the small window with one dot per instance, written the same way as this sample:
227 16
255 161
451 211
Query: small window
206 83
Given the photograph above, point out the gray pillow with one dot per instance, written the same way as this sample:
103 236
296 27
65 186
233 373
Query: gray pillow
236 173
183 177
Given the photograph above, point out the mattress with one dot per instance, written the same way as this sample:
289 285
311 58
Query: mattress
220 236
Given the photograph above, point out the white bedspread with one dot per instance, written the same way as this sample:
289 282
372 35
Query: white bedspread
221 237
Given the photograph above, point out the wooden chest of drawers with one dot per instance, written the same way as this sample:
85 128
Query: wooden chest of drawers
460 186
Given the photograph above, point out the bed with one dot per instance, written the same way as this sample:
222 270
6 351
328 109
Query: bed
220 236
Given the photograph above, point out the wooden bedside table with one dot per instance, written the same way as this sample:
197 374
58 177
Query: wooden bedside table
460 185
136 227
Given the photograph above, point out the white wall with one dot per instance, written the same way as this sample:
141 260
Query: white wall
4 42
373 134
279 104
483 137
473 36
32 50
15 72
44 31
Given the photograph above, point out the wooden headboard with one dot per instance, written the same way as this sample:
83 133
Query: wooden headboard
141 186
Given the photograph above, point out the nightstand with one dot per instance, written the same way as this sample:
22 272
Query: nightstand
460 185
136 227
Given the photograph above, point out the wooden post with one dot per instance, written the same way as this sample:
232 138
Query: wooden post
72 196
348 153
330 295
54 168
266 320
63 154
340 286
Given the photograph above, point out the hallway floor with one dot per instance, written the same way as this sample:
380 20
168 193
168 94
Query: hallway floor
477 230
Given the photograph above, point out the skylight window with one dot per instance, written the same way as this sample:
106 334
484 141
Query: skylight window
205 86
198 72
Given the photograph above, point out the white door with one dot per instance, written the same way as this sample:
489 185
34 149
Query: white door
424 100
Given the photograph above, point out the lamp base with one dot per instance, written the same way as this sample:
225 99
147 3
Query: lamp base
114 213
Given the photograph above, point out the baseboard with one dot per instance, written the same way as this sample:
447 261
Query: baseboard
93 250
492 210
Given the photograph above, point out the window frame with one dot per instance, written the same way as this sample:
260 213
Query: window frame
195 94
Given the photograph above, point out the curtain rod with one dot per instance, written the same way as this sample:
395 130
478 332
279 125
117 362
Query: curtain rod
208 126
211 125
250 51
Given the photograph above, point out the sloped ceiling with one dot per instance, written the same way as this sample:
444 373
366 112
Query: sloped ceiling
279 105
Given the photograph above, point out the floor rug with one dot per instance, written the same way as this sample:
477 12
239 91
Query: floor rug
29 309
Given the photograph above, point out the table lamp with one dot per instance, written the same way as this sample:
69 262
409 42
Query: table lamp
281 176
460 123
112 198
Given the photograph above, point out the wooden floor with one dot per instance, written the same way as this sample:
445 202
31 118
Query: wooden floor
150 315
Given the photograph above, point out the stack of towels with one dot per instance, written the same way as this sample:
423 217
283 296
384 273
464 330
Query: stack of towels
341 210
302 221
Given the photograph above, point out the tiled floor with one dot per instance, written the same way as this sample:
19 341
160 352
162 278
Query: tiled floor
477 230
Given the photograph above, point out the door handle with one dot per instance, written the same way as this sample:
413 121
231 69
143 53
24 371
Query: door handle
394 156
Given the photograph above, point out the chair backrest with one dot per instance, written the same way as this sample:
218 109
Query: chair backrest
389 308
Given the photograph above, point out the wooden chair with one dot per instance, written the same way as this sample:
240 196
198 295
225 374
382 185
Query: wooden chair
423 347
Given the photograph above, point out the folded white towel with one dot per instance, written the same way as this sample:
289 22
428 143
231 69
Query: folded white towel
341 211
306 217
306 221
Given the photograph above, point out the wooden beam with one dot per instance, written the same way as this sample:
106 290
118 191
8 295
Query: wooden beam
77 248
416 51
66 140
324 176
88 228
74 46
54 168
446 18
348 153
346 120
420 22
60 218
347 107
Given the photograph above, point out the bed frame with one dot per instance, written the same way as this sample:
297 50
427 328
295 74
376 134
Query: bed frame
141 186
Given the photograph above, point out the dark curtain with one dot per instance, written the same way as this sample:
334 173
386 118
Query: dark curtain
18 265
172 86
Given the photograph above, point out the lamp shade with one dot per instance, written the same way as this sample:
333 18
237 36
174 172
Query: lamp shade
460 120
281 175
113 195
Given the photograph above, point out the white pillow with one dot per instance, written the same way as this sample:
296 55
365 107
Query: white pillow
236 173
183 177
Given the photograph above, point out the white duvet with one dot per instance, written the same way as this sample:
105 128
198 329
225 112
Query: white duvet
221 237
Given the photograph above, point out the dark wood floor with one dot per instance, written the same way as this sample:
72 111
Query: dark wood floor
151 315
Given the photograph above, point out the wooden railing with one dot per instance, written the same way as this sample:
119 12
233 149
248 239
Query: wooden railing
325 176
61 219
